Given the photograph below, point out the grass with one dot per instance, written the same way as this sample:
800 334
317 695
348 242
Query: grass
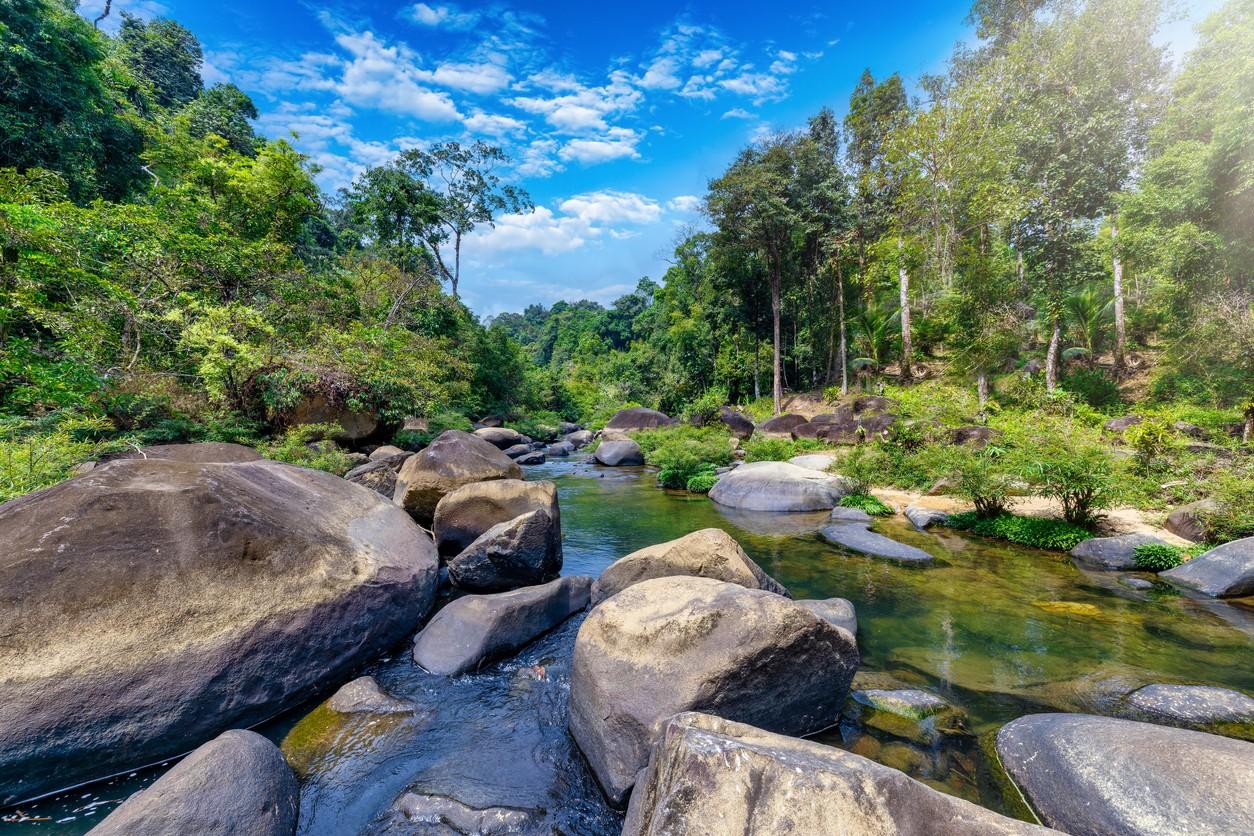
866 502
1038 532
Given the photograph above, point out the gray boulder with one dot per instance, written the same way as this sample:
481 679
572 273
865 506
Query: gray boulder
1112 552
779 486
715 777
974 436
364 696
858 538
677 644
840 514
203 453
623 453
1201 707
781 426
465 514
578 439
837 611
517 450
519 552
453 459
868 405
1118 425
196 597
1186 521
814 461
559 450
477 629
389 453
1086 774
441 815
639 418
531 459
737 423
237 783
378 476
1225 571
500 437
709 553
924 518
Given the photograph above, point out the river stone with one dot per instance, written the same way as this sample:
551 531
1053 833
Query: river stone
517 450
237 783
463 515
1225 571
679 643
453 459
500 437
781 426
860 539
923 518
203 453
518 552
559 450
440 815
779 486
1201 707
842 514
152 604
364 696
388 452
1186 521
1112 552
578 439
619 453
809 430
737 423
814 461
908 713
1087 774
714 777
874 405
837 611
379 477
531 459
477 629
709 553
639 418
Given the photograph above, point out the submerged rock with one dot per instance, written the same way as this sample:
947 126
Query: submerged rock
719 778
1112 553
453 459
779 486
364 696
623 453
442 814
519 552
709 553
639 418
1225 571
858 538
478 629
237 783
836 611
1201 707
677 644
1086 774
908 713
198 597
463 515
924 518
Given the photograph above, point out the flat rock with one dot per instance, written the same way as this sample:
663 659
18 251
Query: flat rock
465 514
517 450
1112 553
1086 774
860 539
680 643
1201 707
388 452
814 461
206 452
639 418
837 611
519 552
1225 571
453 459
708 553
237 783
1118 425
621 453
532 459
924 518
911 703
976 437
378 476
560 450
477 629
364 696
841 514
779 486
714 777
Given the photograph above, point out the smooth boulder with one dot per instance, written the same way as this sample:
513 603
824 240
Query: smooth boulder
779 486
814 461
781 426
737 423
1225 571
1186 521
453 459
836 611
205 452
238 783
620 453
152 604
519 552
463 515
639 418
578 439
858 538
364 696
678 644
531 459
1112 553
708 553
477 629
924 518
378 476
559 450
1201 707
500 437
714 777
1086 774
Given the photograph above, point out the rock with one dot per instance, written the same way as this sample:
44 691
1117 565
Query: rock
908 713
1086 774
809 430
858 538
624 453
491 421
836 611
477 629
519 552
500 437
356 459
152 604
1186 521
379 477
639 418
739 424
781 426
1201 707
840 514
975 437
355 425
1225 571
908 702
465 514
578 439
711 776
517 451
561 449
387 452
1133 582
364 696
568 427
204 453
779 486
1191 430
924 518
414 424
453 459
1118 425
237 783
876 425
814 461
531 459
874 405
676 644
1112 552
942 486
709 553
440 814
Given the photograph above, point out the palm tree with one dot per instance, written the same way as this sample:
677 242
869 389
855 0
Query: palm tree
1089 311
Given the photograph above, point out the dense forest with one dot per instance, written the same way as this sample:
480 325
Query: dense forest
1059 217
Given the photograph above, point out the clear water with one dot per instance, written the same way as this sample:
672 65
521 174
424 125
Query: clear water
999 630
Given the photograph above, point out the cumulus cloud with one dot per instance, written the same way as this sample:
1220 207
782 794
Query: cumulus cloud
539 159
610 207
579 108
684 203
738 113
447 16
579 220
615 144
493 124
479 78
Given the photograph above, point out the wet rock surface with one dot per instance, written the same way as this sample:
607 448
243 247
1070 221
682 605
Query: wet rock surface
858 538
621 453
1225 571
836 611
1200 707
1112 553
364 696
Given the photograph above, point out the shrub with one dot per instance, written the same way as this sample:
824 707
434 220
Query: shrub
1157 557
1151 440
769 450
1038 532
682 452
1065 464
982 477
310 445
1232 516
1092 387
704 409
866 502
36 455
703 482
863 466
542 426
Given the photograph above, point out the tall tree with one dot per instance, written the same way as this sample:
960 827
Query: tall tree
165 55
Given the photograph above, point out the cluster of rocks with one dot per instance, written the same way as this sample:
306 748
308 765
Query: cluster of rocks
865 419
1226 571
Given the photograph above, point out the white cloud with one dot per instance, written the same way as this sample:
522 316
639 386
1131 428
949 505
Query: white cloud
706 57
684 203
610 207
761 87
580 108
578 221
449 17
738 113
494 124
661 75
615 144
539 159
473 78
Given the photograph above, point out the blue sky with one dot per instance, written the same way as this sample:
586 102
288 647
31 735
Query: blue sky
615 114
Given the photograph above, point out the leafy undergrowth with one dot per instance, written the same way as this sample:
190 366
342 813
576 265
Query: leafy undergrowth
866 502
1159 557
1038 532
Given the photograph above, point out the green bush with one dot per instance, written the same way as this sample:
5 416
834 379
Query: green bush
984 478
704 409
769 449
863 466
1093 388
1232 517
1152 440
703 482
866 502
1038 532
36 455
542 426
682 452
310 445
1064 464
1157 557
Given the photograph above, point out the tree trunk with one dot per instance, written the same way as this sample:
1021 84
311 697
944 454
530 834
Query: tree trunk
757 386
1051 356
904 281
844 342
457 262
981 389
1121 334
777 388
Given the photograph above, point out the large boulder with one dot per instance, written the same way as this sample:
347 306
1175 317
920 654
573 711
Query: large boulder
814 461
924 518
623 453
867 405
1086 774
1112 552
1225 571
477 629
389 453
463 515
781 426
518 552
708 553
355 425
204 453
238 783
836 611
711 776
857 537
779 486
678 644
737 423
639 418
578 439
152 604
453 459
1201 707
501 438
1186 521
559 450
1116 426
976 437
378 476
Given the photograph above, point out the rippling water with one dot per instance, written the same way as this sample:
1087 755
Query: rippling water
999 630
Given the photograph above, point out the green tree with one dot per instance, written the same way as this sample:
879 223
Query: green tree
165 56
226 111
